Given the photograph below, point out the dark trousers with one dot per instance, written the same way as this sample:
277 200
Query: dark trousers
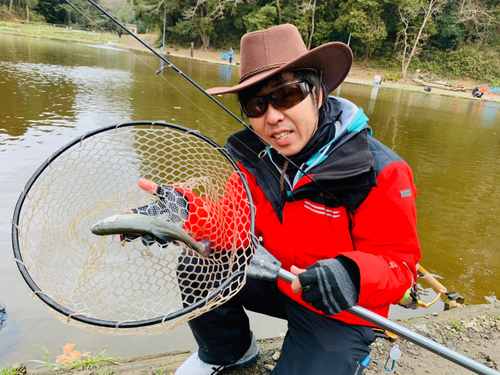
314 344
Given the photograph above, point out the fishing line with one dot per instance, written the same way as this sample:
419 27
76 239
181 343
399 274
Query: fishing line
170 65
146 63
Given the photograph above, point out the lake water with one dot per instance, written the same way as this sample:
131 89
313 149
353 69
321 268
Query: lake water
52 92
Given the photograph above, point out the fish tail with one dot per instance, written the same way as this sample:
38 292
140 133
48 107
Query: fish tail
205 243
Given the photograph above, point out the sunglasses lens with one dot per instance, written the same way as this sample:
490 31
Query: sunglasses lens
282 98
254 107
288 96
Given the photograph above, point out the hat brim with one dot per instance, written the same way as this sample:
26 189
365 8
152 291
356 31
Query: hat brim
332 60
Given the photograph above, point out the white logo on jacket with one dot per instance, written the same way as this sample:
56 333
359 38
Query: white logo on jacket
322 210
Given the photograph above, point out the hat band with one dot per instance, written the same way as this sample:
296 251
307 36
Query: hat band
259 70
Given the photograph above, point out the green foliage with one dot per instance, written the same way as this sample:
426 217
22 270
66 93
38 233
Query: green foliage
456 325
362 18
122 10
51 11
449 31
141 27
450 47
261 18
74 360
46 363
393 76
91 363
13 371
184 30
474 60
157 372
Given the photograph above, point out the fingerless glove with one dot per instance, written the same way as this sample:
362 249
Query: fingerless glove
331 285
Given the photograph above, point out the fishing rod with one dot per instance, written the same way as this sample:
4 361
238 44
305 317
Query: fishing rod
177 70
266 264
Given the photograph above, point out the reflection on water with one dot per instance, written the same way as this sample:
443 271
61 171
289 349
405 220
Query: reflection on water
51 93
452 145
225 74
373 99
54 95
489 114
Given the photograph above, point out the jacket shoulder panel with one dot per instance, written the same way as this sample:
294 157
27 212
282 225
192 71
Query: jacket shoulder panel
383 155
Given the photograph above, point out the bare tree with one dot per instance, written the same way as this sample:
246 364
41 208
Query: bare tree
304 8
203 13
414 18
474 15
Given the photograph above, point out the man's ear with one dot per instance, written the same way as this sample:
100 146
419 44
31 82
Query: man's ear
319 98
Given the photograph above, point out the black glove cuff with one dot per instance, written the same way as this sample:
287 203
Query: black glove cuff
352 269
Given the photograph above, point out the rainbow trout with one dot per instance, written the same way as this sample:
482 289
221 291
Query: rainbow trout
139 225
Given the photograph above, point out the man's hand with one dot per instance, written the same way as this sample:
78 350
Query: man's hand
328 284
171 206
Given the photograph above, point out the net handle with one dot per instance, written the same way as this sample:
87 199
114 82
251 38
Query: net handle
106 323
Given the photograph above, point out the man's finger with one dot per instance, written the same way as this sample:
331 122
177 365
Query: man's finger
296 287
149 186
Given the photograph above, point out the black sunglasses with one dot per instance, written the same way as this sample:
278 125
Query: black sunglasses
281 98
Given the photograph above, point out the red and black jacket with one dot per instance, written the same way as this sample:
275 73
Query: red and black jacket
361 205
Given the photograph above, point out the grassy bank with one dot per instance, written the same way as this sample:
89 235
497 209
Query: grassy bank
68 34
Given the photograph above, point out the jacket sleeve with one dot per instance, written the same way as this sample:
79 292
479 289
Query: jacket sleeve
226 222
384 233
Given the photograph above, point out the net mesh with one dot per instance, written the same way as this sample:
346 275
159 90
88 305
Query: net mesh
116 283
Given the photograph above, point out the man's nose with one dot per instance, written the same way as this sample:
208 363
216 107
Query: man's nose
274 115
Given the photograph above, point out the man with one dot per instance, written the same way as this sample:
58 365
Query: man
333 205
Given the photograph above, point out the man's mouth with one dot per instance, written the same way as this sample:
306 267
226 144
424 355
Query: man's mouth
281 135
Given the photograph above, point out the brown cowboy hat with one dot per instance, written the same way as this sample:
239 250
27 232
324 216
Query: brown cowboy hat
268 52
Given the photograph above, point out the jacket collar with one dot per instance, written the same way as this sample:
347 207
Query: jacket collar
343 164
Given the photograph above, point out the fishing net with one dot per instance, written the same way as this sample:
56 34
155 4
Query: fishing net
103 284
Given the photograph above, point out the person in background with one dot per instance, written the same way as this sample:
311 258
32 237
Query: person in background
378 79
191 49
231 53
333 205
477 93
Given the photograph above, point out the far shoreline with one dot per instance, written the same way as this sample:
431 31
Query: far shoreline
357 75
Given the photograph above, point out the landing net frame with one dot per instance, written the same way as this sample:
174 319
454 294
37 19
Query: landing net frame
218 293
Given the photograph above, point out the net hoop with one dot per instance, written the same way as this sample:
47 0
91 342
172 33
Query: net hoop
86 320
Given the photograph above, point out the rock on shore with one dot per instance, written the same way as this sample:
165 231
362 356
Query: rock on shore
473 331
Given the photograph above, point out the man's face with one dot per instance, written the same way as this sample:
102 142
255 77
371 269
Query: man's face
287 130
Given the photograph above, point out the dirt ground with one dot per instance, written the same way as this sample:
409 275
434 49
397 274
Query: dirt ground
472 331
357 75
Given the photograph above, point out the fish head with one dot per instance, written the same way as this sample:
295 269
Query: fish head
101 225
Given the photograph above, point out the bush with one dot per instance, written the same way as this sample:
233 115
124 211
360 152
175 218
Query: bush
4 13
471 60
141 27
